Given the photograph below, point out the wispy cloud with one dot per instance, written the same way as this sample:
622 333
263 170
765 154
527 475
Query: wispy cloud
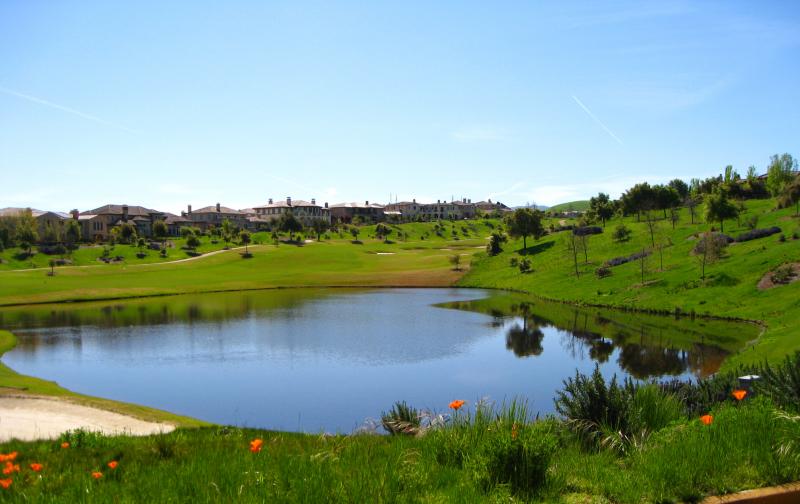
68 110
598 121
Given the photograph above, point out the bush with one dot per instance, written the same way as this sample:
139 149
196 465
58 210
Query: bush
757 233
587 230
782 382
513 262
494 246
621 233
525 265
782 238
782 274
751 222
401 419
603 272
626 259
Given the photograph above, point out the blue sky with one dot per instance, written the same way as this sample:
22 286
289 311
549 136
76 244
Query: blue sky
165 104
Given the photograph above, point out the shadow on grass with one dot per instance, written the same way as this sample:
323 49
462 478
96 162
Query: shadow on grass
536 249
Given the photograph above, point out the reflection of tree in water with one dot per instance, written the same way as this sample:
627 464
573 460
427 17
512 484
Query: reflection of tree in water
523 340
646 361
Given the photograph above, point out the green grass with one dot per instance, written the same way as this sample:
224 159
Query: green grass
476 458
728 291
580 206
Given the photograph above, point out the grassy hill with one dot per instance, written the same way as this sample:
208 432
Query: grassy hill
672 280
580 205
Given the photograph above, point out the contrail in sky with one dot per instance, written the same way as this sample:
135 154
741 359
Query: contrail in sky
598 121
62 108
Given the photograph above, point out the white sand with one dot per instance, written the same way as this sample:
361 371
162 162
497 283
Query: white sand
30 418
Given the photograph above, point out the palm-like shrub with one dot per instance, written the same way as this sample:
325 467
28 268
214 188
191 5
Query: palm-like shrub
782 382
401 419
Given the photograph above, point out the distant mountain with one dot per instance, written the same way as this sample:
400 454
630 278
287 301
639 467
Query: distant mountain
580 206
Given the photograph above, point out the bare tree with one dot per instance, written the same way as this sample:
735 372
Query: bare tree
573 246
708 250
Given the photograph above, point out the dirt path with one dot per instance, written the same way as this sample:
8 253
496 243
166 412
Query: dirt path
30 418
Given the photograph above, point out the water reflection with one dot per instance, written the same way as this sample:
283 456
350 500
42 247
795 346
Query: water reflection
648 346
306 359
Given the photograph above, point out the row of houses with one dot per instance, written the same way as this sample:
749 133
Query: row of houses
97 224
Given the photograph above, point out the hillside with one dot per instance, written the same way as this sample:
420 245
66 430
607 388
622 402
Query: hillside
580 205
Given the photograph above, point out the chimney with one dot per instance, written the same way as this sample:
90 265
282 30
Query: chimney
313 201
490 201
218 207
438 201
75 213
289 200
469 201
270 201
183 214
326 204
414 200
124 213
366 203
189 210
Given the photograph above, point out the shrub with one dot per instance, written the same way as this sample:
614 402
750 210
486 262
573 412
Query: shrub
782 382
513 262
757 233
587 230
525 265
494 246
626 259
782 238
621 233
751 222
401 419
603 272
782 274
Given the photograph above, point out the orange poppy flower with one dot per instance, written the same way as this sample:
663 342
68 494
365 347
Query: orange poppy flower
456 405
97 475
10 468
706 419
36 467
64 445
5 483
739 394
8 457
255 445
514 431
113 464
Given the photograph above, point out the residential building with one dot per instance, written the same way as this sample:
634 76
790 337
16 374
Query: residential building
305 211
213 216
44 220
175 223
97 224
412 211
366 213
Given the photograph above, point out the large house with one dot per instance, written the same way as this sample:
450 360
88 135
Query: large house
305 211
213 216
97 224
366 213
412 211
44 220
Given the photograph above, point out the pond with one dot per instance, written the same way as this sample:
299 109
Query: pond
328 359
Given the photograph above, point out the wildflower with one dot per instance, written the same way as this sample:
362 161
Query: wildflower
706 419
514 431
97 475
255 445
8 457
5 483
113 464
36 467
739 394
9 468
456 405
64 445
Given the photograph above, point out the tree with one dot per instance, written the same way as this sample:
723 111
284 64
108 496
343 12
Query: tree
354 231
680 187
244 236
127 232
603 207
708 250
455 260
383 231
192 241
691 203
26 230
572 246
525 222
791 195
666 197
160 231
319 226
780 173
621 233
652 226
52 235
496 239
72 233
290 224
186 232
674 216
719 208
638 198
227 231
